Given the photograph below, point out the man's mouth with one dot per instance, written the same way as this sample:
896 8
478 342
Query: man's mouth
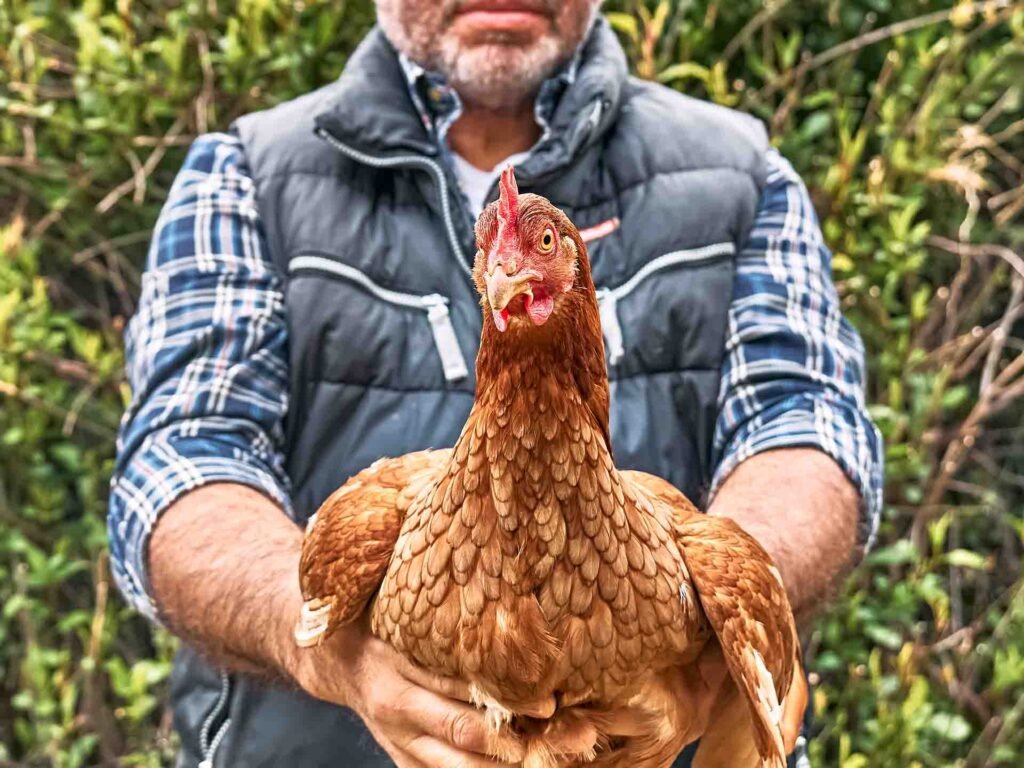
508 16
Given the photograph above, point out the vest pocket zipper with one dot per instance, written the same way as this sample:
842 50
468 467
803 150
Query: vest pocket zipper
434 305
210 739
411 160
608 298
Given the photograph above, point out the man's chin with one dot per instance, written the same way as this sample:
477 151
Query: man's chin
494 75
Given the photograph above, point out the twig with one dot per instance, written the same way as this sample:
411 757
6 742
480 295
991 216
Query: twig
140 177
76 370
122 189
970 249
99 716
999 473
956 290
1014 309
206 93
762 17
95 428
1009 131
1011 718
75 410
132 238
885 33
991 400
1014 203
154 141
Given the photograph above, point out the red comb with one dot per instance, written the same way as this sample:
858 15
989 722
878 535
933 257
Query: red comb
508 197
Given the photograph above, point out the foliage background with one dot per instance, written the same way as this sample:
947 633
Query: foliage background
905 118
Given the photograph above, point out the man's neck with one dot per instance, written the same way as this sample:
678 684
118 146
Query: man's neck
484 138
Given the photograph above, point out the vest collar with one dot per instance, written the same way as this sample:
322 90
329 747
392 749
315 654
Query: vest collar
587 108
372 109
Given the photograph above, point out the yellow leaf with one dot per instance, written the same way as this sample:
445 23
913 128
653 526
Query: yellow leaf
962 14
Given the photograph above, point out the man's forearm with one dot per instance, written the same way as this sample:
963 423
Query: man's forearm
803 510
224 569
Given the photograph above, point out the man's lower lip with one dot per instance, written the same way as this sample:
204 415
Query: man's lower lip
497 20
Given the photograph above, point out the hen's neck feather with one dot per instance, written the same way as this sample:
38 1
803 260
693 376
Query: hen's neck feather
532 472
539 425
568 349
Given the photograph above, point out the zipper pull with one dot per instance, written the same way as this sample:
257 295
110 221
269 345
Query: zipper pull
607 304
452 361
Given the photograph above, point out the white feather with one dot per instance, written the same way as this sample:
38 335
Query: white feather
767 698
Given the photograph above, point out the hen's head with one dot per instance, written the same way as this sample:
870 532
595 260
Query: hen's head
531 264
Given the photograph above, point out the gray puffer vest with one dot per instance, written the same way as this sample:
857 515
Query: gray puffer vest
364 218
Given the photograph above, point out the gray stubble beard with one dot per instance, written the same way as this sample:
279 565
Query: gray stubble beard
494 75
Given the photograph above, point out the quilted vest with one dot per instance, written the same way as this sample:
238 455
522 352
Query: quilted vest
365 221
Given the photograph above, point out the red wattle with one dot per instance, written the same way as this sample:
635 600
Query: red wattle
539 307
500 319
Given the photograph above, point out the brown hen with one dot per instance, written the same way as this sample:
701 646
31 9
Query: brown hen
524 562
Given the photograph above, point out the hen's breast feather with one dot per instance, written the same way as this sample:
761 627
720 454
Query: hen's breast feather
534 564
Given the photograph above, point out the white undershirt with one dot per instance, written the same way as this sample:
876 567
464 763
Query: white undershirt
476 183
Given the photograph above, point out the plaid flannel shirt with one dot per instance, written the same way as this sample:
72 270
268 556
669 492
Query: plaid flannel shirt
208 366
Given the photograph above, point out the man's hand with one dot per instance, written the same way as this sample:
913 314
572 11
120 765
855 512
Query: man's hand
421 721
713 711
229 540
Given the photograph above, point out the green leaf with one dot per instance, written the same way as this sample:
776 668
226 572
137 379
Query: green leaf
683 71
624 23
964 558
950 726
901 552
816 124
884 636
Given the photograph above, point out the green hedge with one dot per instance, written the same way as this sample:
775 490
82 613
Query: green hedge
903 115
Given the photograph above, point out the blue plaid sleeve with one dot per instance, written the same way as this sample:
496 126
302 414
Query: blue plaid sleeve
206 359
794 368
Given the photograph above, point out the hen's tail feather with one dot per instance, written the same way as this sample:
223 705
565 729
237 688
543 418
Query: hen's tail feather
577 736
567 739
647 732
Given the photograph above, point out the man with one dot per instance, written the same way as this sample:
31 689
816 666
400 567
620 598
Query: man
308 308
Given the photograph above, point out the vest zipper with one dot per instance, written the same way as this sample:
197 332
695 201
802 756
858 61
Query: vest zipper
608 298
207 746
434 305
406 160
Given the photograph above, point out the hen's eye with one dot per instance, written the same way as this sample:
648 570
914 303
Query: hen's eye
547 241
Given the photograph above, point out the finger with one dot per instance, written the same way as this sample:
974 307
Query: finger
542 709
403 759
449 687
399 756
457 724
793 708
434 753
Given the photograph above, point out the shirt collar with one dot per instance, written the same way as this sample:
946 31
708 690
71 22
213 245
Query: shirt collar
439 105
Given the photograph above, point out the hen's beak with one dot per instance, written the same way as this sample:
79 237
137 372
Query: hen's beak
502 288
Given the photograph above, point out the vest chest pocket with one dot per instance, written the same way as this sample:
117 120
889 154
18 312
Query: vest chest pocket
433 307
689 304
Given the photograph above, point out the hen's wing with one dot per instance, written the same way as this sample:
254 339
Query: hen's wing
746 605
743 598
658 489
350 539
